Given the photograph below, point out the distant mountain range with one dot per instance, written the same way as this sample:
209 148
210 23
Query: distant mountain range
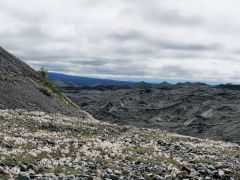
194 109
78 80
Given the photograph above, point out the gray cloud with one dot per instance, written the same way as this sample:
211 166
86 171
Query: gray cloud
161 43
155 11
156 39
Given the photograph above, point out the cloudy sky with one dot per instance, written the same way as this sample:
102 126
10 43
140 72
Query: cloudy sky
195 40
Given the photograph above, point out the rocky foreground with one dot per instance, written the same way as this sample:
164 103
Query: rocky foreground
35 145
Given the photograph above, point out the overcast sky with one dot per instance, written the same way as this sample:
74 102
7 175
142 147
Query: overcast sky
136 39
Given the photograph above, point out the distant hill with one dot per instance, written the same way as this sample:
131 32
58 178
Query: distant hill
78 80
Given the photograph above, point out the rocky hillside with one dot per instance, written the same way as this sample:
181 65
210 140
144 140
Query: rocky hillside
192 109
23 87
44 135
37 145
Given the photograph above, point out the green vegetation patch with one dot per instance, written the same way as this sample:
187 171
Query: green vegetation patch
49 89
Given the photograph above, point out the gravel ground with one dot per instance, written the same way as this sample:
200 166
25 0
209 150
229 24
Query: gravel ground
37 145
21 87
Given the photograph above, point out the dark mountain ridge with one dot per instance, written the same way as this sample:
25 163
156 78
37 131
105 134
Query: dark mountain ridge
88 81
194 109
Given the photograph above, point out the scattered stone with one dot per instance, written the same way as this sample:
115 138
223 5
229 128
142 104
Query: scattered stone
113 177
50 175
109 171
117 172
121 155
169 177
184 168
2 170
31 172
182 174
71 176
211 167
157 177
227 171
31 166
23 176
8 146
2 164
50 142
22 167
37 176
220 173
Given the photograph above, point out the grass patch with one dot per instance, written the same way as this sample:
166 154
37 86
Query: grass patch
227 151
45 91
50 89
4 177
236 175
67 170
12 161
139 150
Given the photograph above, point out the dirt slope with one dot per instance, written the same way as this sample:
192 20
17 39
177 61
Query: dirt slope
23 87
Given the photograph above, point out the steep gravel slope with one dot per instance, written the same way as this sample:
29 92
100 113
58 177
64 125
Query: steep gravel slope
23 87
36 145
193 109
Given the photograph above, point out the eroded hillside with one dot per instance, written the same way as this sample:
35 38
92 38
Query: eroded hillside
193 109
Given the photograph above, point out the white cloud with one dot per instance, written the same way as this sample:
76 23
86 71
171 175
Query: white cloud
157 39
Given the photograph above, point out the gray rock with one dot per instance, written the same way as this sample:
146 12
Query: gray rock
227 171
50 175
117 172
23 176
207 178
22 167
36 176
211 167
31 166
202 172
2 170
50 142
221 172
157 177
109 171
8 146
113 177
148 176
169 177
202 168
31 173
182 174
71 176
2 164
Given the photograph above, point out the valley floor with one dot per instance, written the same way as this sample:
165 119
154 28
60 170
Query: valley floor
36 145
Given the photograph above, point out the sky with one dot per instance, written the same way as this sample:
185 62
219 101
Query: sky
187 40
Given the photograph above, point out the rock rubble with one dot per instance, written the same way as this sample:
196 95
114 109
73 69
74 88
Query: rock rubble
89 149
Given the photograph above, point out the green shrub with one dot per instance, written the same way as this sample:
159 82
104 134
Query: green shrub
43 72
45 91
